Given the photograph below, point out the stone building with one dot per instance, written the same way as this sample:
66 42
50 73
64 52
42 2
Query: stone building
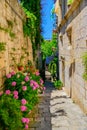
11 34
72 32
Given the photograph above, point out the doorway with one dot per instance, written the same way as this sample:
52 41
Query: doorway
63 70
71 76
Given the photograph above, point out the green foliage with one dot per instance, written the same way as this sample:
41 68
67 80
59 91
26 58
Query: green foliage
84 58
30 95
69 2
19 97
32 24
10 23
4 29
2 46
52 68
48 48
29 25
18 78
58 84
8 30
22 57
11 34
10 114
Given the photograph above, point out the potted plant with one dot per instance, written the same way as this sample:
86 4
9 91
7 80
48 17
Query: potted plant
20 67
58 84
21 63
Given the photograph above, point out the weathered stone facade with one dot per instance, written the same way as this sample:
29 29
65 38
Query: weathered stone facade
11 33
72 44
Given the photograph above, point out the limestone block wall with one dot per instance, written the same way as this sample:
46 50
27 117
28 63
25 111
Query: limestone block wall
72 53
11 33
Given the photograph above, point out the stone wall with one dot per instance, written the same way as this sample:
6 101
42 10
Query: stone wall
11 33
70 53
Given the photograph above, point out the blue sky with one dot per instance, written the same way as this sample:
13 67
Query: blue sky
47 21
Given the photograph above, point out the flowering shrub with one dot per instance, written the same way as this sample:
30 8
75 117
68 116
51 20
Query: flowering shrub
10 114
38 81
22 90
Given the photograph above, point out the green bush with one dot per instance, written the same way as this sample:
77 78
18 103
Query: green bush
21 83
58 84
27 87
19 98
10 114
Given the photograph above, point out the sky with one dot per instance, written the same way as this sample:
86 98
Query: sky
47 21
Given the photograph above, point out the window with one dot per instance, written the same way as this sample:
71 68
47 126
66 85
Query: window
72 68
61 38
69 34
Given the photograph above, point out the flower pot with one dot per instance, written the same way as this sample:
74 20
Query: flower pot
20 68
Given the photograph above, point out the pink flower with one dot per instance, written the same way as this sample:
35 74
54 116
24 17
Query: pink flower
26 126
23 101
13 83
34 88
41 81
24 88
23 120
16 96
15 92
44 88
31 84
27 120
37 73
32 81
23 108
8 76
13 73
36 85
7 92
1 93
26 78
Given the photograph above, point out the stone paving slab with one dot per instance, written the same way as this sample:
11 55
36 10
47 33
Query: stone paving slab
68 115
56 111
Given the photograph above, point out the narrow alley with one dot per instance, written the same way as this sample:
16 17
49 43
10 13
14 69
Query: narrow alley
43 65
58 112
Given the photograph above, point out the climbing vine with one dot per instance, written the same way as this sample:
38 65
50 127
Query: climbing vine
52 68
32 24
9 29
84 59
2 46
29 26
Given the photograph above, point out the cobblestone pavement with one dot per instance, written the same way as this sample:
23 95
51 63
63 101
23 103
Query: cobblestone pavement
56 111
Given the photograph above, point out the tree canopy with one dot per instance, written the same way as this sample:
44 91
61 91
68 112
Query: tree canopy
48 48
